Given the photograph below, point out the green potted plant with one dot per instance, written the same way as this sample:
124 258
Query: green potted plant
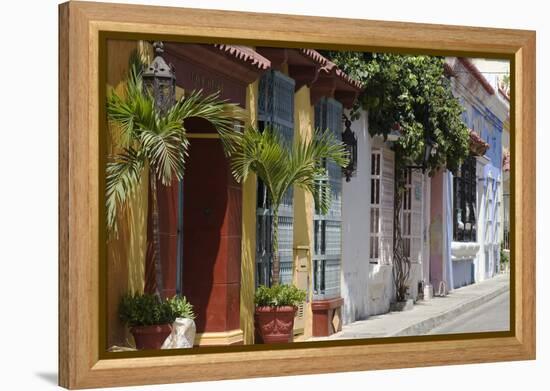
150 318
183 328
275 310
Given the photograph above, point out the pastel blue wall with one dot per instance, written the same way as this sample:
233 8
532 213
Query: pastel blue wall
488 126
483 121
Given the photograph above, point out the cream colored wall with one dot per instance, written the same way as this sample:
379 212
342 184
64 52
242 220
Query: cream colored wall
303 201
126 249
248 241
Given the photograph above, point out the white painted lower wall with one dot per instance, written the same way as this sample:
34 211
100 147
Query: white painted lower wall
415 276
380 289
463 255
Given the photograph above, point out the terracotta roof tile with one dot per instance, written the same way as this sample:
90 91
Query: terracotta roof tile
330 67
477 144
246 54
477 74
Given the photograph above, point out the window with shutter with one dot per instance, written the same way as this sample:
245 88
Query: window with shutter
327 227
381 203
411 215
276 111
374 225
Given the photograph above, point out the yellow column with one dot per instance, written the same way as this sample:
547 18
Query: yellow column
126 249
248 241
303 210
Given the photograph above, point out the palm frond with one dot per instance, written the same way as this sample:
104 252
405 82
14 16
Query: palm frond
123 174
132 111
145 134
166 149
280 166
326 146
267 156
135 66
308 171
221 114
322 194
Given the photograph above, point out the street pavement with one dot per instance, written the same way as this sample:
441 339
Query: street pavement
491 316
483 306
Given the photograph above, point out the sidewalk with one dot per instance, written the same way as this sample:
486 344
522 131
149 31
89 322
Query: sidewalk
426 314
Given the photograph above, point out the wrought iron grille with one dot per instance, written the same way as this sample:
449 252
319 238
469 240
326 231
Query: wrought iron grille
464 201
328 227
276 111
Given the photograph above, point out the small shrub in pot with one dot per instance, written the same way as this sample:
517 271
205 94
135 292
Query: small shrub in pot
275 310
150 318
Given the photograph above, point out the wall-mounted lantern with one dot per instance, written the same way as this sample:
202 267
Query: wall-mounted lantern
160 80
430 146
350 141
430 149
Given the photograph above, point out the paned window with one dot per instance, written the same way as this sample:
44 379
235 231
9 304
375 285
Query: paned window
327 227
276 111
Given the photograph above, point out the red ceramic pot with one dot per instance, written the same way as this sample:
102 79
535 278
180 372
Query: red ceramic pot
151 337
275 324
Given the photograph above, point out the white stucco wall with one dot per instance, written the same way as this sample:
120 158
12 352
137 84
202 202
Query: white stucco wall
355 230
415 276
368 289
380 289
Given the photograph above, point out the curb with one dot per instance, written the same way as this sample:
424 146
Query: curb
426 325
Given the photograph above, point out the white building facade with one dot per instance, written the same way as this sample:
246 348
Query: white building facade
368 228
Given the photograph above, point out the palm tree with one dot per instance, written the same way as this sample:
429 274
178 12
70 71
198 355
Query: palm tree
280 167
152 140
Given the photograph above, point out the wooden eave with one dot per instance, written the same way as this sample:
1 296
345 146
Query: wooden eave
309 67
230 63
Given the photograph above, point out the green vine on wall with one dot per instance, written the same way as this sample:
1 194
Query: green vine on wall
411 94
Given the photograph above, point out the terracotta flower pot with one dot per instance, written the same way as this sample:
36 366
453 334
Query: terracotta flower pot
275 324
151 337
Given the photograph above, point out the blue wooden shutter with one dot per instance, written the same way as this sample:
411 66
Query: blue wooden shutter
328 227
275 110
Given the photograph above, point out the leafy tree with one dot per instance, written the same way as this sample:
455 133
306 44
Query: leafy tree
505 83
410 94
150 140
280 167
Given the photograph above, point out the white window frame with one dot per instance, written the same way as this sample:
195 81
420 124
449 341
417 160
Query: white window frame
374 198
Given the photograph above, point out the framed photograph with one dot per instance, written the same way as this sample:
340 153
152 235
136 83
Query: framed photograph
248 195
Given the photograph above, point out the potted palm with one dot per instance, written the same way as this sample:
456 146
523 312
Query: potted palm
280 167
148 139
150 318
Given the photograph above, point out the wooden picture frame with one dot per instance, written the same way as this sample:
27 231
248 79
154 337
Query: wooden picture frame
82 26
